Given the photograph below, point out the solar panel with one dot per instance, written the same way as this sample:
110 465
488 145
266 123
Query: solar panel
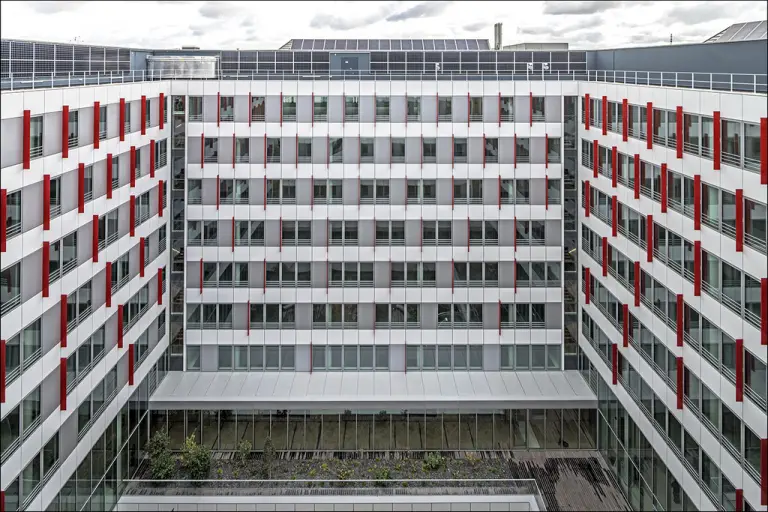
296 44
429 45
472 44
407 44
395 44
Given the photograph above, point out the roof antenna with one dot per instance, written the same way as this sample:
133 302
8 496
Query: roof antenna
670 38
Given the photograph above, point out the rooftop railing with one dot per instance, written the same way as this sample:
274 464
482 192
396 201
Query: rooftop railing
750 83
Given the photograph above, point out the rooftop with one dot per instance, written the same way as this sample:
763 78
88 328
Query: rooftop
749 31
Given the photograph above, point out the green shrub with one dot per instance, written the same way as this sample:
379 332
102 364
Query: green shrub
433 462
344 474
195 459
268 458
162 464
243 452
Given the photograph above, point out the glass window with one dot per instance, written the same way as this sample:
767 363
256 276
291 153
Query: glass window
36 135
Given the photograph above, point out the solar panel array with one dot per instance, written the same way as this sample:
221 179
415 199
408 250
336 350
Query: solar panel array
28 57
389 44
751 31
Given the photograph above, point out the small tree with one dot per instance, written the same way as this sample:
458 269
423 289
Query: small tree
243 452
162 464
195 459
268 459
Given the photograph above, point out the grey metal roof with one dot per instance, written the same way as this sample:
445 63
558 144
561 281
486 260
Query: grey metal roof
749 31
451 390
387 44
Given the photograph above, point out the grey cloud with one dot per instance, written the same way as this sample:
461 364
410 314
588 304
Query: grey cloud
54 7
218 10
564 29
247 22
474 27
694 13
344 23
422 10
578 8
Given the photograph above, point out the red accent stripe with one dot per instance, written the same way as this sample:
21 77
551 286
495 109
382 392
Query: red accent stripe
663 188
614 166
680 326
649 125
95 238
679 132
679 372
46 267
63 383
2 371
697 202
132 213
764 472
764 151
65 131
649 237
717 142
121 120
3 217
160 190
119 326
605 256
739 500
80 188
63 321
605 115
739 220
637 284
108 283
595 158
625 324
162 110
740 370
96 125
131 359
160 286
142 263
637 175
132 170
46 202
143 122
109 175
764 311
587 194
697 268
586 111
614 215
587 284
614 363
151 158
26 139
624 120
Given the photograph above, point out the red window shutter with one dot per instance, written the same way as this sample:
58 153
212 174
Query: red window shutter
151 158
119 326
132 214
109 175
26 141
96 125
717 141
63 322
764 472
739 220
740 370
624 120
586 111
108 283
46 269
587 194
587 284
614 215
63 383
605 256
80 188
649 125
679 132
131 362
65 131
739 500
663 188
142 121
605 115
162 110
46 202
595 158
121 123
95 238
625 324
614 363
637 175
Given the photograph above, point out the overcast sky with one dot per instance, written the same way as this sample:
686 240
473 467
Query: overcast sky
265 25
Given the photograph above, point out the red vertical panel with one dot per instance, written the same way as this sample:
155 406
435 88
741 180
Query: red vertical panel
624 120
132 170
3 217
764 311
121 119
605 256
131 359
679 383
142 263
120 326
160 286
614 215
80 188
96 125
63 383
63 321
162 110
132 213
663 188
26 139
595 158
2 371
764 472
739 500
625 324
46 202
614 166
637 284
637 175
65 131
697 268
95 238
764 151
605 115
587 284
649 125
739 370
46 275
109 175
697 202
143 122
739 220
151 158
717 143
614 363
587 194
160 190
679 132
680 326
586 111
218 191
108 283
530 108
649 236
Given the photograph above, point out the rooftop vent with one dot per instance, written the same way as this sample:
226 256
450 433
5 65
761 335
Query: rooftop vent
190 47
